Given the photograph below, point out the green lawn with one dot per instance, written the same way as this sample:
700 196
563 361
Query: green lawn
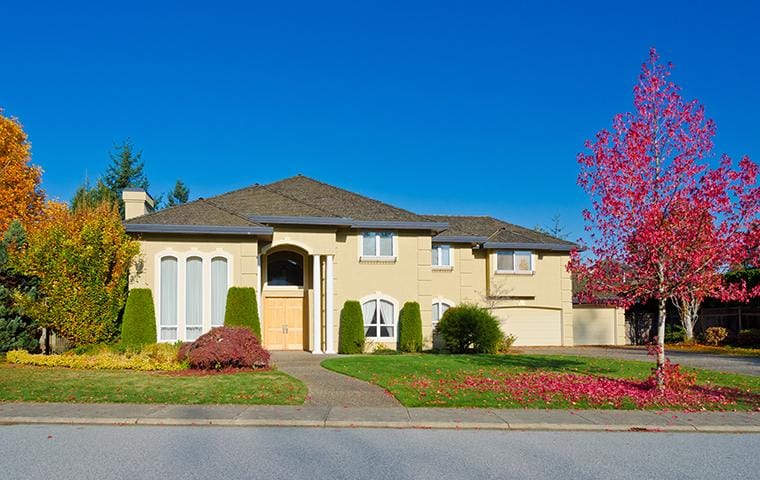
51 384
425 380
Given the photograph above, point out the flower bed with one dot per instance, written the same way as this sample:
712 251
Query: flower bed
157 357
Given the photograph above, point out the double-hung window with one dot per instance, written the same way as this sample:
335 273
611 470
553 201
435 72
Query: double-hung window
509 261
441 256
377 244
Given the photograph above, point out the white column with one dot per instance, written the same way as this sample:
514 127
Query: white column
316 324
329 328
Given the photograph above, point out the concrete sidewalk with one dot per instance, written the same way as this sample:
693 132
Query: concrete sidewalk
377 417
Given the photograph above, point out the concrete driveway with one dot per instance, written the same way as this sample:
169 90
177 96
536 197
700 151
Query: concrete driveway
709 361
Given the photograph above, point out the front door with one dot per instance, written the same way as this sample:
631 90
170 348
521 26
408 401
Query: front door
283 319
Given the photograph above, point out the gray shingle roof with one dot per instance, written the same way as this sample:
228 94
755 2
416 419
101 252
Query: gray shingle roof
301 196
494 232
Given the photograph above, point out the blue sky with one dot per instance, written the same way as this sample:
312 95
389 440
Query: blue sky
438 107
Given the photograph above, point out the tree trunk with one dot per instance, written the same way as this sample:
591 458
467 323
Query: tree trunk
688 309
660 376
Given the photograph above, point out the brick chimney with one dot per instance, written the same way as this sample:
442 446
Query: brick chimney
137 202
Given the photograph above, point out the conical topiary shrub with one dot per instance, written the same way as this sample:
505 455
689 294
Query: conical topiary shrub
138 326
241 310
410 328
351 333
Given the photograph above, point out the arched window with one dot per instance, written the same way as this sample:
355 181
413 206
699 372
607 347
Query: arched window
168 298
193 298
439 308
285 269
379 319
218 290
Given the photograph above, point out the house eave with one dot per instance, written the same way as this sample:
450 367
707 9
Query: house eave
552 247
458 239
197 229
292 220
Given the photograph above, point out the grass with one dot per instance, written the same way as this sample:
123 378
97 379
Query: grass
54 384
420 380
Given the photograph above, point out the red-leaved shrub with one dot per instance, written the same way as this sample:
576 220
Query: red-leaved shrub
226 347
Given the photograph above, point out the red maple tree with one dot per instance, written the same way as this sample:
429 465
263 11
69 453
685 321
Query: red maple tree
664 223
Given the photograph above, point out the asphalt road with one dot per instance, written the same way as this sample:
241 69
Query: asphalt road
101 452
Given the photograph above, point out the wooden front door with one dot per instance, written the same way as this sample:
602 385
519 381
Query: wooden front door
283 320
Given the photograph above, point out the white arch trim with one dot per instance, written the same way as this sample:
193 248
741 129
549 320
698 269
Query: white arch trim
288 243
182 257
396 307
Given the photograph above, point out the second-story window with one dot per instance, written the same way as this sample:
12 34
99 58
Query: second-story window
441 256
377 244
509 261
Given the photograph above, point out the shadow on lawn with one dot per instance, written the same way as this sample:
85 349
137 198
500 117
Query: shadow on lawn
534 363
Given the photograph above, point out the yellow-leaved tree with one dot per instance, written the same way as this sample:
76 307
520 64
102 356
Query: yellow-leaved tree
20 195
81 260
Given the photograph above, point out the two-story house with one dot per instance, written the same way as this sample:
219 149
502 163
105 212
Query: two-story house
307 247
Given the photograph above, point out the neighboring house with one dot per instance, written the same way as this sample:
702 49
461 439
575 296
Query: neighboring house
307 247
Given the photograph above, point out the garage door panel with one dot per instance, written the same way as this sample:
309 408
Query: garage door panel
594 326
532 327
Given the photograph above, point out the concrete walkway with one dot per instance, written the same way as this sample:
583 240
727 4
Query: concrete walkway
330 389
709 361
376 417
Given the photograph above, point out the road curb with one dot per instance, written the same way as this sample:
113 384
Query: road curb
238 422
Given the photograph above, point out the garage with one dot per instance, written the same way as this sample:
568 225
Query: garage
593 325
532 326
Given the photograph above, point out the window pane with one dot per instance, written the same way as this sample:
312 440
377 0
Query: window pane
386 319
523 261
218 290
445 255
193 333
368 244
444 307
193 297
434 260
505 261
285 269
370 332
436 315
369 309
168 296
386 244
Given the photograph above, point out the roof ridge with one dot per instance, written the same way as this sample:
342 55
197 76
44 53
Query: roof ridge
225 210
349 192
266 187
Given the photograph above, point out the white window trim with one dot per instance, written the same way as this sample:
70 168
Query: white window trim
379 296
441 300
182 257
450 266
378 258
495 260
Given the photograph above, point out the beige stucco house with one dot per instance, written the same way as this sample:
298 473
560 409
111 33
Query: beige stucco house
307 247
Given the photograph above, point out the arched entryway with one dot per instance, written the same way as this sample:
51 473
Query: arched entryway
284 310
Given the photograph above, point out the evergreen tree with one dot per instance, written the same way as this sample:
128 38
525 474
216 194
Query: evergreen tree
17 331
178 195
89 196
125 171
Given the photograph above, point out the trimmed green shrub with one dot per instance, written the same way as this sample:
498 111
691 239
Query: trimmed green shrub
242 310
410 328
674 333
469 328
351 333
138 326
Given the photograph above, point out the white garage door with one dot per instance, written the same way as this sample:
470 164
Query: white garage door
532 326
594 326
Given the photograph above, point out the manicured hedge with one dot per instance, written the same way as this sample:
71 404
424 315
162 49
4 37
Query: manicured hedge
469 328
242 310
138 326
351 333
410 328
